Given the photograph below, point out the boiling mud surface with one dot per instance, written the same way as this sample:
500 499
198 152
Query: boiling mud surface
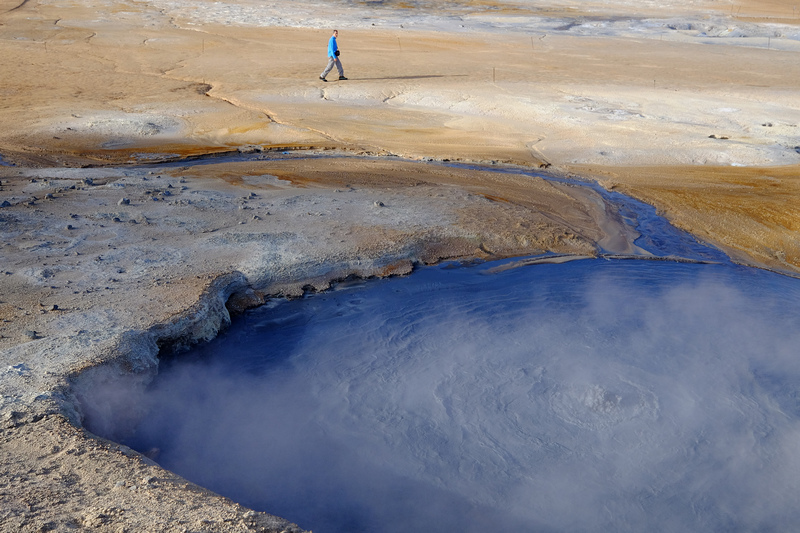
589 396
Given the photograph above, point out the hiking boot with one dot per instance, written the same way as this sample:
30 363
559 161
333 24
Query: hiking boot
342 78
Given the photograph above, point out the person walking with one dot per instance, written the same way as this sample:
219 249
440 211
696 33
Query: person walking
333 58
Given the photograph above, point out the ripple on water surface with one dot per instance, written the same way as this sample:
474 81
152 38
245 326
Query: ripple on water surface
594 395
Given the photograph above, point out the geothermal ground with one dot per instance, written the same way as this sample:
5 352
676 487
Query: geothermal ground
109 255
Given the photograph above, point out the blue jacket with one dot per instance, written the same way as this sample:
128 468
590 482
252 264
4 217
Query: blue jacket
332 47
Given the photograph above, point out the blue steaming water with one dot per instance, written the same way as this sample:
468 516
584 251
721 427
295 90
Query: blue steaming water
595 395
589 396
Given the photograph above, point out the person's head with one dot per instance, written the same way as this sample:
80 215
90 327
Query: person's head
335 33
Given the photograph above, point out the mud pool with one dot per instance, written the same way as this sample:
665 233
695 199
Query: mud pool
594 395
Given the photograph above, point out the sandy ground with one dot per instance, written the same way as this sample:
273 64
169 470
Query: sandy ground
690 106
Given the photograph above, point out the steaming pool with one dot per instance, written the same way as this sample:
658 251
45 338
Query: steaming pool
593 395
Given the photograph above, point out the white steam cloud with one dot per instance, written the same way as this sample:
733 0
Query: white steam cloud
592 396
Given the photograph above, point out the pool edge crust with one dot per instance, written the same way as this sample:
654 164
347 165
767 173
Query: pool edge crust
105 486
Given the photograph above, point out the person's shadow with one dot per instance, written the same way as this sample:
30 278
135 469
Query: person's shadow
414 77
